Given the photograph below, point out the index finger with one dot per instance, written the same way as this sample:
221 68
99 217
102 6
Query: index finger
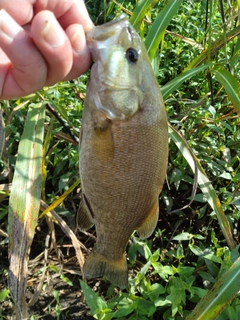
67 12
20 10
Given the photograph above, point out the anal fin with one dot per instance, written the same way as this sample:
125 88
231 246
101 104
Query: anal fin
149 224
84 215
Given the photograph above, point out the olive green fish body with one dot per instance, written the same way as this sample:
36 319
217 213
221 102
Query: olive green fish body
123 159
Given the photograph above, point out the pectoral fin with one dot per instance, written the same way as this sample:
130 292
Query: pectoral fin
149 224
84 215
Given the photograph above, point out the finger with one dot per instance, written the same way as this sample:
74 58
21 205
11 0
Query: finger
20 10
54 45
23 68
67 12
77 13
80 51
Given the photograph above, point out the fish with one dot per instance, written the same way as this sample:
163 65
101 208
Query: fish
123 149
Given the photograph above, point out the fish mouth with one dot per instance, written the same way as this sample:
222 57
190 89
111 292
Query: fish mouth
108 30
106 35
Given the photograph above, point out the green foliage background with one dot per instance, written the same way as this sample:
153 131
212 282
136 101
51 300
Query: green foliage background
196 61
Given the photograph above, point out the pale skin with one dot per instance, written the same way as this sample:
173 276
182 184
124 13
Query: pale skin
41 42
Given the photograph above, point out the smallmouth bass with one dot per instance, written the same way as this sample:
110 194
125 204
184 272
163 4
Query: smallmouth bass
123 148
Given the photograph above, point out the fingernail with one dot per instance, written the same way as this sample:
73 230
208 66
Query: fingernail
8 27
78 41
52 32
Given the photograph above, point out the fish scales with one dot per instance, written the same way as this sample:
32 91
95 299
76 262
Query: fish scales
123 151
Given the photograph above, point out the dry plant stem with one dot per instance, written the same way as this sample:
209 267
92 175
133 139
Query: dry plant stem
62 136
76 244
5 187
195 184
12 114
53 237
3 234
40 285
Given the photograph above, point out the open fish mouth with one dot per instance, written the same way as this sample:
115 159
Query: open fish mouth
106 35
109 29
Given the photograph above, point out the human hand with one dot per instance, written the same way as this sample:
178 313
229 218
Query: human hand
41 43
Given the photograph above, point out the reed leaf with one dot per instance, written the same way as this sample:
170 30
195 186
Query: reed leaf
231 85
204 184
235 57
156 32
220 296
139 12
60 199
24 204
174 84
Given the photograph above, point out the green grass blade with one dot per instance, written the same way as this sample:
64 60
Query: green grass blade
174 84
220 296
231 85
24 203
204 184
159 26
140 11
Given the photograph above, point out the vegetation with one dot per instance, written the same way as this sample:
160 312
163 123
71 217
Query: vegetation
190 268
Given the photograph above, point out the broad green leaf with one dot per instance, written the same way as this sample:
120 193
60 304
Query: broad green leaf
156 290
161 302
156 33
4 294
187 236
183 236
140 11
220 296
24 203
204 183
195 249
207 276
177 294
231 85
94 301
174 84
124 310
213 258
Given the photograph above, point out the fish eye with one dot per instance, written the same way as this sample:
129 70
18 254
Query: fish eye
132 55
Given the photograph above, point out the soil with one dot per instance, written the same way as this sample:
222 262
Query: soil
71 301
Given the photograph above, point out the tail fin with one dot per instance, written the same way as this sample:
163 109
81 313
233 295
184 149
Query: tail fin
115 271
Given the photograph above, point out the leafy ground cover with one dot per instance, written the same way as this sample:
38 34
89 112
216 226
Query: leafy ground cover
196 60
